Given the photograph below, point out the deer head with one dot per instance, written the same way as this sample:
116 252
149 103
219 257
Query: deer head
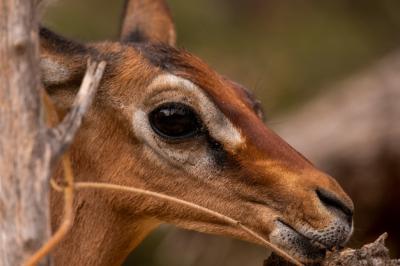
165 121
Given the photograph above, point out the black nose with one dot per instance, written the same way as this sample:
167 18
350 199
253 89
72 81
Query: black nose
333 203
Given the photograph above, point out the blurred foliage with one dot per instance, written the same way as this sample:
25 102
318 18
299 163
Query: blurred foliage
286 51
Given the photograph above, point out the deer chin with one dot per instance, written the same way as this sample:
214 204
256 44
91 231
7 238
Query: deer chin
301 247
309 245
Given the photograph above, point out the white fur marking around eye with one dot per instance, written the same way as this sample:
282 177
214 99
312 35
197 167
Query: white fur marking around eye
218 125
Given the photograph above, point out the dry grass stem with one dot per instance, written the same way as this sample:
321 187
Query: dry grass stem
60 138
67 219
63 135
269 245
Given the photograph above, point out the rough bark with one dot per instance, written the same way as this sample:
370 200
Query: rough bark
24 153
28 148
373 254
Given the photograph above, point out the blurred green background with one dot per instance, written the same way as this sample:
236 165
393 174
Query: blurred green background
285 51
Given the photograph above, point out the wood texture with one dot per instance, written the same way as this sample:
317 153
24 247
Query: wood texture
372 254
62 135
60 138
28 148
24 153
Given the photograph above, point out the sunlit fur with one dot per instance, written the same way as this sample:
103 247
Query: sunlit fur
238 167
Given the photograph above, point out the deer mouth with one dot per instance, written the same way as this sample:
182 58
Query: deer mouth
297 244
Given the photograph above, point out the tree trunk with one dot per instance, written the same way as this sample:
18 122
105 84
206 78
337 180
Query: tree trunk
24 152
28 148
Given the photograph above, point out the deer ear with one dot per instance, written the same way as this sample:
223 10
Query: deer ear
61 61
147 21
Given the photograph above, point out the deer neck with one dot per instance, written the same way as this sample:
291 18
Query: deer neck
99 235
106 227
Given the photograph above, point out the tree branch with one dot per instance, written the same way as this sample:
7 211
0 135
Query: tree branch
60 139
24 153
62 135
236 223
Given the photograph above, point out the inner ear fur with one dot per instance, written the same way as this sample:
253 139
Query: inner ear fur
61 61
147 21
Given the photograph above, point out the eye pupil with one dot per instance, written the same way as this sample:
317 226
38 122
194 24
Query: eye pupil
174 121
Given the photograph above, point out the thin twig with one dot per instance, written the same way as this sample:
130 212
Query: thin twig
60 139
62 136
67 218
277 250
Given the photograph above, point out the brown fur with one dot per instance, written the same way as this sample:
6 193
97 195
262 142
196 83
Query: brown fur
261 180
147 21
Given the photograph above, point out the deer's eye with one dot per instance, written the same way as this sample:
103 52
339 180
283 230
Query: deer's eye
175 121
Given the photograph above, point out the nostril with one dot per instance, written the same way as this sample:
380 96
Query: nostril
331 201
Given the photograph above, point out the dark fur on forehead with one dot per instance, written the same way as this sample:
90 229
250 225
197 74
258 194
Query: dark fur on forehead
163 56
184 64
166 57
